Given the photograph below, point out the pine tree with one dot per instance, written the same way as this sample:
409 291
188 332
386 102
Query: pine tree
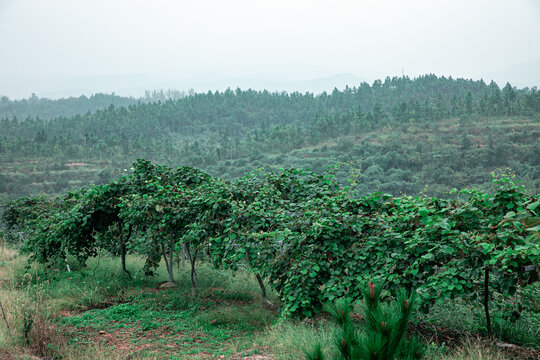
383 332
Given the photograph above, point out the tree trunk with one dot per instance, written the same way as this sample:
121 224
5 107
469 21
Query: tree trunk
164 255
261 285
123 253
194 279
263 293
123 256
184 257
171 259
181 257
486 301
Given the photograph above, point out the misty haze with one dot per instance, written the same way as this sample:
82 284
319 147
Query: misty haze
269 180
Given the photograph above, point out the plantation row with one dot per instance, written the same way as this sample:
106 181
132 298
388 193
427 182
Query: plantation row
312 239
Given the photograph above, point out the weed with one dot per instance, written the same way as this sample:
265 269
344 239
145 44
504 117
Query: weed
243 318
469 350
96 314
459 315
233 295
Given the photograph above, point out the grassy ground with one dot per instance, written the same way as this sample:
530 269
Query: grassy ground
95 313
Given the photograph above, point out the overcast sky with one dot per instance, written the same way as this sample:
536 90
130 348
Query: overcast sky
277 39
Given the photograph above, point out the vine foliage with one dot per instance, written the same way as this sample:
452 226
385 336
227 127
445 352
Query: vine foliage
311 239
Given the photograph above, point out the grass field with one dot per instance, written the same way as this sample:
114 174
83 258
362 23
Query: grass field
95 313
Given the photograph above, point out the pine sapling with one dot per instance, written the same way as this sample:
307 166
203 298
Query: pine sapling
383 332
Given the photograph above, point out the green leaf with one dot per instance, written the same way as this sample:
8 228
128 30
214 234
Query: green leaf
487 247
533 206
447 249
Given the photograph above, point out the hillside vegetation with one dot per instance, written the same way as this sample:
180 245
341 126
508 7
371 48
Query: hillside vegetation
43 108
399 136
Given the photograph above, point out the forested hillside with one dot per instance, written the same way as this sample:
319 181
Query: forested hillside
43 108
400 135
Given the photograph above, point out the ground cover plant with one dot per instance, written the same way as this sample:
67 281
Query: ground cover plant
91 311
94 314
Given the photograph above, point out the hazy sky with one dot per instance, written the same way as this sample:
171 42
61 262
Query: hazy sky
293 39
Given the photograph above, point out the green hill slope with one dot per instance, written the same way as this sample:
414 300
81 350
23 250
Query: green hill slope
399 136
